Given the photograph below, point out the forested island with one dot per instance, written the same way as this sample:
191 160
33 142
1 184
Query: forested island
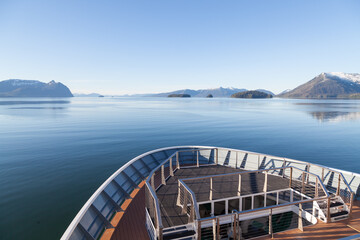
179 95
251 94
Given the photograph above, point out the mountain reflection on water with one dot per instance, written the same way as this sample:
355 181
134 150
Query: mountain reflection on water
335 116
332 111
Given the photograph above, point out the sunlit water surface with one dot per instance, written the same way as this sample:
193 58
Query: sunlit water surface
54 153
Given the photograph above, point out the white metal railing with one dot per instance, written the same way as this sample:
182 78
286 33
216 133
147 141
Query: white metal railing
187 201
158 177
319 192
330 177
150 226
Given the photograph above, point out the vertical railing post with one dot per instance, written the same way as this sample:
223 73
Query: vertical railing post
239 186
308 175
211 189
153 181
316 187
351 203
258 162
322 174
328 216
217 155
177 160
179 193
192 212
283 168
160 233
302 184
290 180
197 158
198 230
270 224
217 229
171 168
237 156
163 175
265 182
214 228
235 228
300 222
184 209
155 216
338 187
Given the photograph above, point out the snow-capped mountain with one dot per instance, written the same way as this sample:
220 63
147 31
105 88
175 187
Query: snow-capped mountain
327 85
33 88
352 77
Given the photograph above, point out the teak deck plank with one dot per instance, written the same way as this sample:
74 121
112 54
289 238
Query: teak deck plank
132 223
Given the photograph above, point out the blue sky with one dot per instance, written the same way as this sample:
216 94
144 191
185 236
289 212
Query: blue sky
117 47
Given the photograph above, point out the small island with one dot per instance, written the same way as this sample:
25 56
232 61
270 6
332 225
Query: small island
179 95
251 94
210 96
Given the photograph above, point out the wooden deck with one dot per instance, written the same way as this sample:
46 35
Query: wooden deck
130 224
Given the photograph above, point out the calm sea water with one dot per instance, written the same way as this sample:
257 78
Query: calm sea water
54 153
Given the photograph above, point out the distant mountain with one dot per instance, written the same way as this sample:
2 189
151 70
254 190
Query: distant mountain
87 95
327 85
33 88
251 94
265 91
285 91
215 92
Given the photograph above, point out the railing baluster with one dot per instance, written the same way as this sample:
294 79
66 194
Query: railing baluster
197 159
198 230
300 222
351 203
239 186
211 189
177 160
338 187
235 228
265 182
153 181
328 210
270 224
214 228
163 175
217 228
171 168
217 155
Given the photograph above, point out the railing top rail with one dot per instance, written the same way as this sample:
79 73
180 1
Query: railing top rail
157 207
291 160
159 166
254 171
196 149
197 213
248 171
265 208
235 173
